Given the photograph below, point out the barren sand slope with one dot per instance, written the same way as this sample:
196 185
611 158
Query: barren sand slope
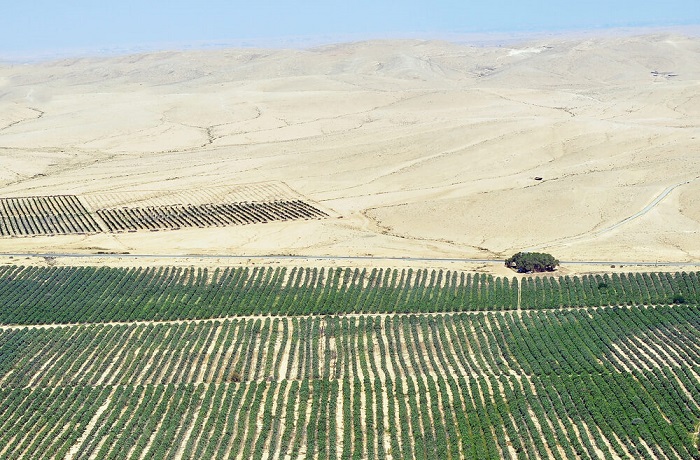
422 148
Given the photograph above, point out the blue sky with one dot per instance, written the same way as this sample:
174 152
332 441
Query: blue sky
41 26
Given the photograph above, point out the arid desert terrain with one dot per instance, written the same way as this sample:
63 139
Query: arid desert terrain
412 148
287 254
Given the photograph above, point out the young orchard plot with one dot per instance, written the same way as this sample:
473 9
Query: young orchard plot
45 215
154 210
612 382
207 215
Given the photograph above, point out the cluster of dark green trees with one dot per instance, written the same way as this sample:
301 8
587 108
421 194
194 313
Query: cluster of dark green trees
525 262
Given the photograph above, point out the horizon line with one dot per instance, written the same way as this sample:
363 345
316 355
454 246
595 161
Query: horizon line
308 42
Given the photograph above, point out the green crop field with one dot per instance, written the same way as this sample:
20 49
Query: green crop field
261 363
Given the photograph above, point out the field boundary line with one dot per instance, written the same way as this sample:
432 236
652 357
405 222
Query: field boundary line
8 327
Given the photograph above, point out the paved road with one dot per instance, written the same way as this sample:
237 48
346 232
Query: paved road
334 258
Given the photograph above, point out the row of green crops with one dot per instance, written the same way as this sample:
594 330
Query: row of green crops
39 295
613 381
34 295
622 289
481 417
606 340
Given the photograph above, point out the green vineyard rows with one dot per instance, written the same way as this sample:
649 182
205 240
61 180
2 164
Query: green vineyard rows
37 295
34 295
464 374
553 384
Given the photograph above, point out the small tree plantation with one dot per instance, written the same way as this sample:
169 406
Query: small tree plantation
330 363
525 262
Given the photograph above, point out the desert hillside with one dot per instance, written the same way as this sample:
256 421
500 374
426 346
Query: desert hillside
412 148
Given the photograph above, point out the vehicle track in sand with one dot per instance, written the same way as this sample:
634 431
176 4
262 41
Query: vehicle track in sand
597 233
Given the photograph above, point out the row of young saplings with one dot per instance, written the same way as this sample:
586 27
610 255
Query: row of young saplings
65 214
207 215
45 215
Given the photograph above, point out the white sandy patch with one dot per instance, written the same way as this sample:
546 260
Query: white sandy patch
532 50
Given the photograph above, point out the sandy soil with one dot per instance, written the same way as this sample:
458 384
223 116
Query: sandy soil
421 148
